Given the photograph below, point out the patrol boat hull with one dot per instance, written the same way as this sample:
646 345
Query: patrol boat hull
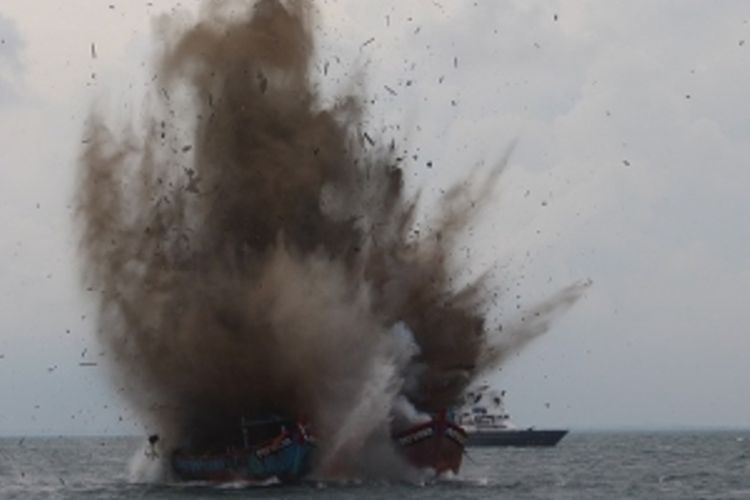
516 438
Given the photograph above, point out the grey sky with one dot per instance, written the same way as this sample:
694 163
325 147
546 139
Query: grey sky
10 66
632 124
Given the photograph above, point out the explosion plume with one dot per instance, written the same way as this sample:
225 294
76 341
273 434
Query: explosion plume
254 255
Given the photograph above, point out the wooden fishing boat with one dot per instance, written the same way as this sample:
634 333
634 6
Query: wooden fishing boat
437 444
286 455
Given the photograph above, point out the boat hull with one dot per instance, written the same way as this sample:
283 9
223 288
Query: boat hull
437 445
516 438
287 459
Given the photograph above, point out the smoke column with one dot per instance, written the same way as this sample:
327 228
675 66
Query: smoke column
254 255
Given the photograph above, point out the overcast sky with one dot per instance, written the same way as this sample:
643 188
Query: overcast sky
632 122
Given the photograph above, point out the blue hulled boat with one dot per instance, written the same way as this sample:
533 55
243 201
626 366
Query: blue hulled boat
286 455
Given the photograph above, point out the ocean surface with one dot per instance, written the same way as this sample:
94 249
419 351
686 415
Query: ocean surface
668 465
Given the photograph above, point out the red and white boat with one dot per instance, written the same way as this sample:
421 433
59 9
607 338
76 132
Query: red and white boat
437 444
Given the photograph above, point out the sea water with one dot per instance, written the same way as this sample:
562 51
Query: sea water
668 465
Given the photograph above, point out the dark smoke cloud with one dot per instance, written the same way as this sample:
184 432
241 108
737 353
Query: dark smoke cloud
255 254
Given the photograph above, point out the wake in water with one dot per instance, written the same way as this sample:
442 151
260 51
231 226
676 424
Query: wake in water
254 254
